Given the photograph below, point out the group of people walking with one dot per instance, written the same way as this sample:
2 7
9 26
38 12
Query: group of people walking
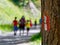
22 24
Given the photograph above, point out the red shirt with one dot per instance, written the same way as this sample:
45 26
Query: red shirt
30 23
15 22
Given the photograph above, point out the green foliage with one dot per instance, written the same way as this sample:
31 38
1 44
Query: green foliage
36 42
8 11
19 3
34 0
16 2
36 37
6 27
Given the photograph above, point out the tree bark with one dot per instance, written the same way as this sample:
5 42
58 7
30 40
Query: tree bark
53 36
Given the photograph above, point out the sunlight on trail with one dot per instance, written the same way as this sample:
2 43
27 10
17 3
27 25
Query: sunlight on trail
0 32
10 38
30 43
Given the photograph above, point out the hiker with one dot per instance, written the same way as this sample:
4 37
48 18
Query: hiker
35 23
15 23
30 23
22 24
28 26
40 21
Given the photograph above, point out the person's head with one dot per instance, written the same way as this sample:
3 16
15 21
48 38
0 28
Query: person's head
15 18
22 17
28 20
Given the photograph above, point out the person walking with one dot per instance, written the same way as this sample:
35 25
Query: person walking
22 24
31 23
15 23
28 26
40 21
35 23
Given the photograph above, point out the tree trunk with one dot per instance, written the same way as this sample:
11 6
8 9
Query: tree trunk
53 36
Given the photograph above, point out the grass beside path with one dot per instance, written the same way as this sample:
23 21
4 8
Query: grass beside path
36 39
6 27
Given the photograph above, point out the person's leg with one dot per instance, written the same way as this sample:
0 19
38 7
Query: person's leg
23 29
14 30
14 33
35 26
27 31
20 31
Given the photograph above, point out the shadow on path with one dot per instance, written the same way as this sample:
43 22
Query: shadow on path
10 39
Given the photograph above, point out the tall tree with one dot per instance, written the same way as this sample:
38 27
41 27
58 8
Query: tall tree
53 8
